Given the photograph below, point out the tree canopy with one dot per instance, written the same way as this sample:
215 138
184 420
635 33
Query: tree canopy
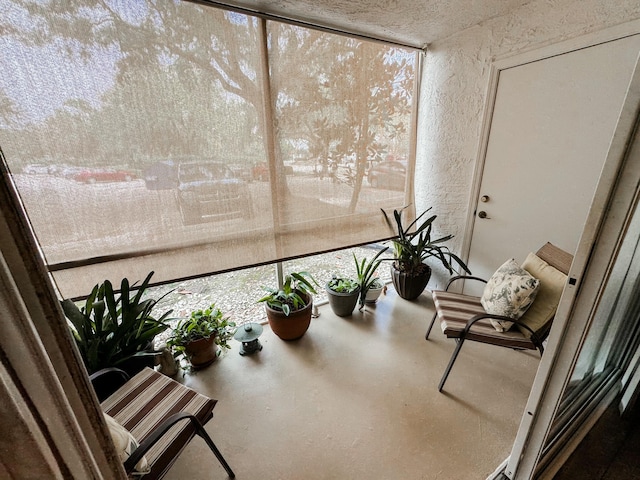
137 82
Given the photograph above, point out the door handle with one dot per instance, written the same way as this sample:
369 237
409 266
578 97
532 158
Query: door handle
482 214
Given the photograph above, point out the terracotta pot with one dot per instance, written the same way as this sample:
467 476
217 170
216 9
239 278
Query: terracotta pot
201 352
410 286
294 325
342 304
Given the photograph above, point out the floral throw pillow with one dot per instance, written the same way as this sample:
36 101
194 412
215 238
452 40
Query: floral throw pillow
509 292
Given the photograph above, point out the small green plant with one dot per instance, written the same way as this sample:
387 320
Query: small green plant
366 270
207 323
343 285
413 245
110 330
292 296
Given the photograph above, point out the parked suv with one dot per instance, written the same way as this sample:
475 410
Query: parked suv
209 191
388 174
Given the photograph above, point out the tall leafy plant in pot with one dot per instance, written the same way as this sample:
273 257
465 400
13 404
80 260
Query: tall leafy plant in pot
116 330
413 246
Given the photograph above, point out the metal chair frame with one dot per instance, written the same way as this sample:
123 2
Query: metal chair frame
535 339
556 258
121 378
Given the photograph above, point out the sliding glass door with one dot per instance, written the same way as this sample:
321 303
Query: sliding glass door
611 341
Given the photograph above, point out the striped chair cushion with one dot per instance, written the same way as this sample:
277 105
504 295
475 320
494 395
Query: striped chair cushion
145 401
455 310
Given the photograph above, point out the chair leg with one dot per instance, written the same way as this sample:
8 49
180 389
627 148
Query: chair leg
426 337
459 342
203 433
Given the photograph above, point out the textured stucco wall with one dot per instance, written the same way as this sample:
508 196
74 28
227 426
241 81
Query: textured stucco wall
454 85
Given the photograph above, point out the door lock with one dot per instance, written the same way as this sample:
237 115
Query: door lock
482 214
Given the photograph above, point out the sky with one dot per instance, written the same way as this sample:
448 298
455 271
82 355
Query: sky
40 79
51 73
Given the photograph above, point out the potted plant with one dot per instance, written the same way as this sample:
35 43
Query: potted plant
116 331
374 292
289 308
412 246
370 285
200 338
343 294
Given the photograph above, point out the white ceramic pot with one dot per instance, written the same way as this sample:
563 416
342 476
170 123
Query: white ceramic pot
373 294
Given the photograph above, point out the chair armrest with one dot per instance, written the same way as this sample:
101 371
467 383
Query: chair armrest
534 338
156 435
463 277
107 380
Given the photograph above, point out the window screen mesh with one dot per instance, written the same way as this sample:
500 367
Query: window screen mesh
189 140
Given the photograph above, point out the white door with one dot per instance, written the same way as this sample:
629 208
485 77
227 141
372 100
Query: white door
552 123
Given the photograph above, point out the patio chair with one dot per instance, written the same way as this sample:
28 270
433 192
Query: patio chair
462 317
159 414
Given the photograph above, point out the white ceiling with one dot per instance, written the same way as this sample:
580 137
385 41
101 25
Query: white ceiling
411 22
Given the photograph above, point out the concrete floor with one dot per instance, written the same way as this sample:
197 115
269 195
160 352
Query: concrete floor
356 398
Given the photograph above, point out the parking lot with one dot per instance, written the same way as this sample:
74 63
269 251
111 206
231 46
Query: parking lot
116 217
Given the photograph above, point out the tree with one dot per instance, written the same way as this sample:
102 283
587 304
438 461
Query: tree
351 98
190 68
175 61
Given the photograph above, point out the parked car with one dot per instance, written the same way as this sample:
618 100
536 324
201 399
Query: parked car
261 171
161 175
93 175
209 191
242 172
388 174
36 169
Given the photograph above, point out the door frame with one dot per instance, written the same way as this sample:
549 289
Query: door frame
616 195
47 387
503 62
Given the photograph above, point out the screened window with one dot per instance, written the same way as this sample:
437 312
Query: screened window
190 140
